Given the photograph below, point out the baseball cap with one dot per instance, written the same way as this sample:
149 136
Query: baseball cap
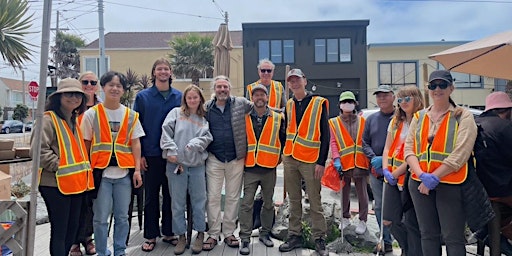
295 72
347 95
383 88
442 75
497 100
259 87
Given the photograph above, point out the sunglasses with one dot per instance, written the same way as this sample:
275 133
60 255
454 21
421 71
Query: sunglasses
441 85
404 99
92 82
72 94
266 71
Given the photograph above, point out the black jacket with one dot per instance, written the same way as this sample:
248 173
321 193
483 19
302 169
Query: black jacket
493 152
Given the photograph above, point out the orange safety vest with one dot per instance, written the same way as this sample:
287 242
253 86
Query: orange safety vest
431 156
303 142
266 150
396 151
275 93
102 145
351 154
74 174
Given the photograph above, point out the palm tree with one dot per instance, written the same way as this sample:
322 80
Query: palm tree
192 56
65 54
13 28
133 84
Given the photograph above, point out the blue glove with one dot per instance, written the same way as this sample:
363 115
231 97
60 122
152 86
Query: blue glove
337 164
378 171
430 180
377 162
389 177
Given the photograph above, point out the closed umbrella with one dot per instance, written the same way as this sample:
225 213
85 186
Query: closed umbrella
490 56
222 43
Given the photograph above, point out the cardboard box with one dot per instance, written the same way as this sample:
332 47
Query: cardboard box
5 186
6 144
5 168
7 154
22 152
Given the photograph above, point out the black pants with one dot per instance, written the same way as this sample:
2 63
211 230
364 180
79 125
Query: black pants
85 229
154 179
64 215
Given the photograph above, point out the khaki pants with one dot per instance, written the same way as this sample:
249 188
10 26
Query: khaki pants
217 173
294 172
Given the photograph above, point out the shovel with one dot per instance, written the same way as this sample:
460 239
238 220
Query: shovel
380 243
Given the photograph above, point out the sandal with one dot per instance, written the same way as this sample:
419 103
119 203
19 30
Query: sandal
209 244
90 249
172 240
75 250
231 241
150 246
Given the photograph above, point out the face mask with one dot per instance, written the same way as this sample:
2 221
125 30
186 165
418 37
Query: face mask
347 107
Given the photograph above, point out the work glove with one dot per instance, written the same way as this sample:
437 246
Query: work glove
378 172
389 177
337 164
430 180
377 162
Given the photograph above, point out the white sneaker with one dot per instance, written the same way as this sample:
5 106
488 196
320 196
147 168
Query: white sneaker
361 227
344 223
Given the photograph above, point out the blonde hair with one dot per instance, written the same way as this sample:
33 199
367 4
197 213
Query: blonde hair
408 91
87 73
184 107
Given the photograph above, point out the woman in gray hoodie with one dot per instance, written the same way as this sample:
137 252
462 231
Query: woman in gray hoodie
185 136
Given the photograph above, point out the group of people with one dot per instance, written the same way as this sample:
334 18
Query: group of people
95 152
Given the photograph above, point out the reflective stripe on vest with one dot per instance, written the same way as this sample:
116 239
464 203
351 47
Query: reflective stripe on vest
275 93
431 156
303 142
351 154
265 151
74 174
396 151
102 145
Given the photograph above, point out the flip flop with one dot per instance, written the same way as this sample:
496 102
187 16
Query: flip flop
209 244
173 240
150 244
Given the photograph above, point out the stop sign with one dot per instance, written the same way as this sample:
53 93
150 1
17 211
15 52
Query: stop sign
33 89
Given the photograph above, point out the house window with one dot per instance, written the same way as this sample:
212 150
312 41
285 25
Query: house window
398 73
93 64
500 85
333 50
462 80
16 98
278 51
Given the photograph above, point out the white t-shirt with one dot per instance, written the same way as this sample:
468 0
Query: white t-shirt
114 117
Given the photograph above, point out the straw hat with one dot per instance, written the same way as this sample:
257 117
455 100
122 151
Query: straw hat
68 85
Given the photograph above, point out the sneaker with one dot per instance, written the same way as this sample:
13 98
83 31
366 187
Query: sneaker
266 241
320 247
293 243
361 227
245 250
387 248
181 246
344 223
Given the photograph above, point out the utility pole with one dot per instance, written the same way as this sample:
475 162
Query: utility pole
23 84
102 61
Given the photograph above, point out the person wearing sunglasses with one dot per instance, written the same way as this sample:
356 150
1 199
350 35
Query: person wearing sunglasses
65 172
276 99
437 149
400 217
349 159
89 83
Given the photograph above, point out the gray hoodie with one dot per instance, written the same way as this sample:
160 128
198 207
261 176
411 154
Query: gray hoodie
185 137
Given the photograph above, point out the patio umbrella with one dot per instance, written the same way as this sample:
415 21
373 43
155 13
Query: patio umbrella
490 56
222 43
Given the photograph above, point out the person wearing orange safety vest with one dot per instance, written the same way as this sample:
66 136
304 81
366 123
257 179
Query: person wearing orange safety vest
276 99
349 159
305 152
437 149
111 133
398 214
266 135
65 172
89 82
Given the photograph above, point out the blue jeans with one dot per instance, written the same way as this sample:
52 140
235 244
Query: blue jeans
192 179
377 186
113 194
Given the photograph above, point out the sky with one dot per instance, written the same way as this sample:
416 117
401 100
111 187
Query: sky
390 20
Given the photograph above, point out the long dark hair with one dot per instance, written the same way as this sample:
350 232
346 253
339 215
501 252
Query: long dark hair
53 104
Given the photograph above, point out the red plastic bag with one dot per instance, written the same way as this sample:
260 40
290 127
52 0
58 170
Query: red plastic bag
331 178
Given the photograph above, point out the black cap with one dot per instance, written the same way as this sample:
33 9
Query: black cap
442 75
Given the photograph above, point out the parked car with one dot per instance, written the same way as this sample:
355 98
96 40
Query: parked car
9 126
367 112
28 126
